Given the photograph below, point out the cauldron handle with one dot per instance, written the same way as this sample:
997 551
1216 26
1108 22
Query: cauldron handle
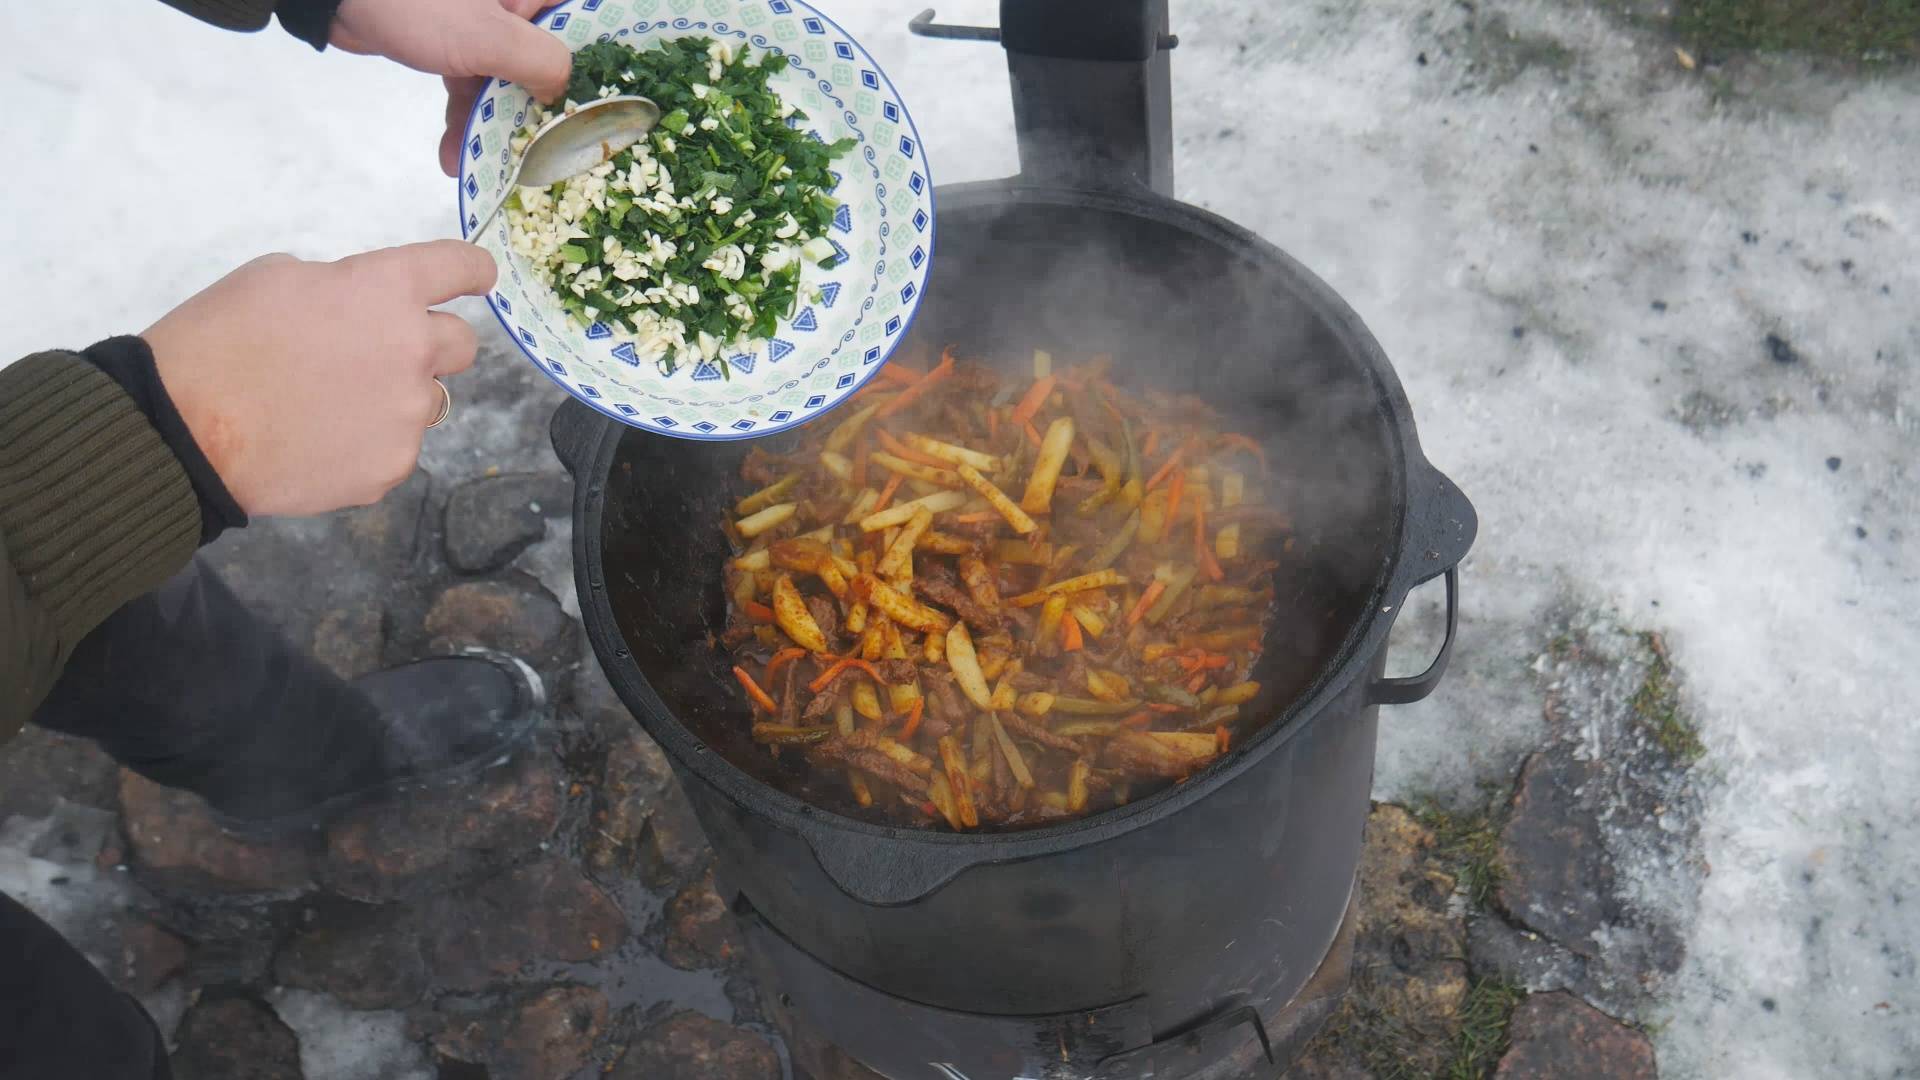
1441 525
576 431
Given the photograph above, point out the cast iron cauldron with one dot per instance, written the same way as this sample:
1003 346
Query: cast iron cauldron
1068 950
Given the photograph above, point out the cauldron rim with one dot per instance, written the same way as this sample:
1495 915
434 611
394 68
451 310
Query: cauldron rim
1431 529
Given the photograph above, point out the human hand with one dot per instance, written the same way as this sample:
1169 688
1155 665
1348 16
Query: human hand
467 41
308 385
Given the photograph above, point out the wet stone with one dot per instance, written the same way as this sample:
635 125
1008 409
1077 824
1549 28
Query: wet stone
514 614
42 768
367 959
428 839
349 640
633 781
549 1034
1559 1037
700 929
690 1045
295 572
177 846
491 520
235 1039
1558 879
149 956
672 847
76 835
544 911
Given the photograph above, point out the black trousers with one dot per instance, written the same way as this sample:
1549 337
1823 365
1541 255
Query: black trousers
189 688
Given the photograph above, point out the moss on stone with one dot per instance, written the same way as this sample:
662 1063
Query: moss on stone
1865 31
1657 708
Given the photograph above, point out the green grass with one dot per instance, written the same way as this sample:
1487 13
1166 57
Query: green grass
1870 31
1656 707
1483 1029
1469 844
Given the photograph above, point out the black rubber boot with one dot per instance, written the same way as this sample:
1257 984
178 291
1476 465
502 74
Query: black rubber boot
434 722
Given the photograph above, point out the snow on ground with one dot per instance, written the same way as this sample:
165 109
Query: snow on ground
1658 324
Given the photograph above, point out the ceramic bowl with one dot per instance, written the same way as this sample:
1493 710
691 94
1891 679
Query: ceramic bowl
883 234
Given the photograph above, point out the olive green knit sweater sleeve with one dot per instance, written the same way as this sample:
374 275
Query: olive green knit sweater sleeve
94 511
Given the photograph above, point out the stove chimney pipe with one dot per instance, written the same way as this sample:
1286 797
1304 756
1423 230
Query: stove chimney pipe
1092 89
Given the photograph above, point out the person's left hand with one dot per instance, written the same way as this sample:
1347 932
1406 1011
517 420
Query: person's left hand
467 41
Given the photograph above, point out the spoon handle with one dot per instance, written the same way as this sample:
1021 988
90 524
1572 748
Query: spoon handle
486 220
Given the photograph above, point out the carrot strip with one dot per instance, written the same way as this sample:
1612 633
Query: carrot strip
1139 719
1146 601
1163 706
833 671
901 372
902 450
975 517
759 612
886 494
1203 551
1070 639
758 695
913 719
1151 444
1222 738
913 393
1194 684
1242 442
1175 491
1166 470
1033 436
780 660
1029 406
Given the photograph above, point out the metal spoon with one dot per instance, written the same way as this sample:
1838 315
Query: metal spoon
567 146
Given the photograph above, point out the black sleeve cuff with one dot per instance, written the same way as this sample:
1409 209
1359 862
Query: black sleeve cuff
309 20
129 362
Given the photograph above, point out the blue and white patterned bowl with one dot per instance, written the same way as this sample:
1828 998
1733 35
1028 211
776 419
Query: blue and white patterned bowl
884 231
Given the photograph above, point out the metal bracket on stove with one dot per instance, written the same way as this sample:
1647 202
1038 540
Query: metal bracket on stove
1184 1053
922 25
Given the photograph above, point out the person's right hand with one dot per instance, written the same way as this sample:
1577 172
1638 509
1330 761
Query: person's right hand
309 386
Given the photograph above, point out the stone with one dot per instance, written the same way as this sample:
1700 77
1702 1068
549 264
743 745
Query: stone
632 782
367 959
296 572
40 769
349 641
1409 971
491 520
543 911
700 928
672 848
433 838
149 956
76 835
550 1034
514 614
1558 879
1559 1037
235 1038
553 1034
177 846
693 1046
